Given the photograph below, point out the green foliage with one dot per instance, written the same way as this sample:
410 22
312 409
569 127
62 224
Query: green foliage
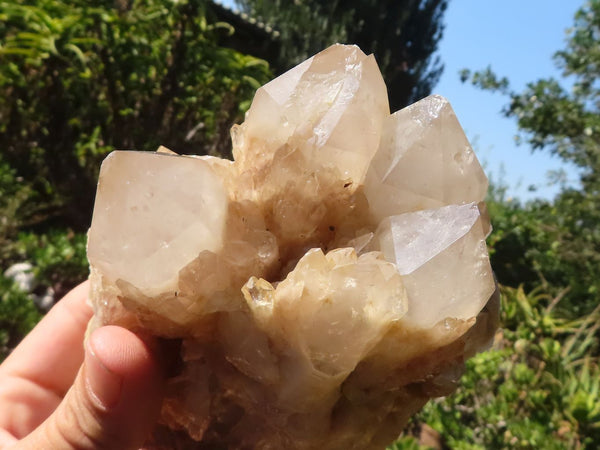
17 206
58 257
78 80
403 35
552 244
18 315
537 388
407 443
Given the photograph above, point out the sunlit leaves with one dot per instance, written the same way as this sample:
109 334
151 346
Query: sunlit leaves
534 389
77 80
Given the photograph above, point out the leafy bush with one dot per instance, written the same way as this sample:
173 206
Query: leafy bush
17 206
407 443
58 257
549 244
78 80
59 262
539 387
18 315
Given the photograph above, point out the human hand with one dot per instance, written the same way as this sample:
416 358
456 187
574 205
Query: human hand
54 394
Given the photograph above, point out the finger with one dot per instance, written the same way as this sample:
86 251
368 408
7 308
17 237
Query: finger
38 373
114 401
6 439
52 353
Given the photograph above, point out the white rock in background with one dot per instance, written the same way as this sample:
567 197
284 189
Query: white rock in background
46 300
22 274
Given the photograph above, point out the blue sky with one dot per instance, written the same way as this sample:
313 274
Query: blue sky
517 38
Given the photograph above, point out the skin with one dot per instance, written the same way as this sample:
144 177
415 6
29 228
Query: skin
57 393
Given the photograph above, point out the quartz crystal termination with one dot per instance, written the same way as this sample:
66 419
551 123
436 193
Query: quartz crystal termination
323 285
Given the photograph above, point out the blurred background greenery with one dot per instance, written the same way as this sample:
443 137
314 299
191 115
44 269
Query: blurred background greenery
78 80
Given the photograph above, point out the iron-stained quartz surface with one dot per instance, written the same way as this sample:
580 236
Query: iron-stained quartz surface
324 285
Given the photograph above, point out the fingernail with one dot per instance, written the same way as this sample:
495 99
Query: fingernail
103 385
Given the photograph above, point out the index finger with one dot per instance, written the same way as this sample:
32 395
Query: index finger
51 354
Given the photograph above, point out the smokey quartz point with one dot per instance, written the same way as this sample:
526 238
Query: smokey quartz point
324 285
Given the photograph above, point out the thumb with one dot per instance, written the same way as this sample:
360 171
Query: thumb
114 401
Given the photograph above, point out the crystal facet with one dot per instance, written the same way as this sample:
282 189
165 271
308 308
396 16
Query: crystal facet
423 245
424 161
323 285
142 214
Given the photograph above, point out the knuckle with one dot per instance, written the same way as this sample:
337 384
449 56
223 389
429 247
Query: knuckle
81 424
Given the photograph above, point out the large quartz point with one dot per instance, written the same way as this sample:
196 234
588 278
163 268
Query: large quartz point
144 215
323 285
423 245
311 109
424 161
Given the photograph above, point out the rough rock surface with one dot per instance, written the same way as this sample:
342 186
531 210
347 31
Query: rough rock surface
324 285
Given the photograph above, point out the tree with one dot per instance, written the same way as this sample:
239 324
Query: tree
402 34
78 80
561 117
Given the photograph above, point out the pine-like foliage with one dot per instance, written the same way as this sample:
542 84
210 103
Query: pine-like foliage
402 34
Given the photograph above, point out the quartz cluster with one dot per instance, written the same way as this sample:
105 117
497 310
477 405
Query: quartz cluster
323 285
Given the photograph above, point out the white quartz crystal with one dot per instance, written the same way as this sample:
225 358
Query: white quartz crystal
323 285
424 245
424 161
312 108
154 214
331 308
